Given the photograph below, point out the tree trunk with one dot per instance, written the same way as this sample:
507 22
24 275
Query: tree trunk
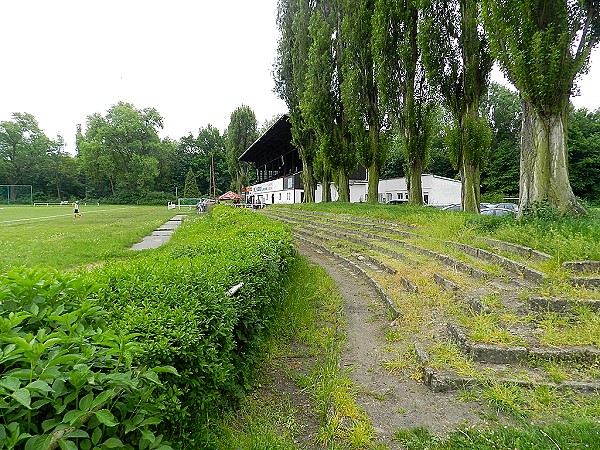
415 184
309 182
343 185
470 156
544 169
374 169
470 178
373 192
326 183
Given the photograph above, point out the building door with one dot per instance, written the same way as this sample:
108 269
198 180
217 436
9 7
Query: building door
272 199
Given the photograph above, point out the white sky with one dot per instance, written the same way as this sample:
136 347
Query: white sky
195 61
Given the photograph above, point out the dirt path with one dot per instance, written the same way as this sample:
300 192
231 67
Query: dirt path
391 401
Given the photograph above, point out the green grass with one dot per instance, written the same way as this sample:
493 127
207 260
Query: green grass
567 239
578 435
582 328
309 329
51 237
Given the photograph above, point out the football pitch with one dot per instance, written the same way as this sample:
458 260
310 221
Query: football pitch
50 236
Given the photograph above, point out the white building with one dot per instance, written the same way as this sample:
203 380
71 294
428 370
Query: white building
358 191
279 190
436 190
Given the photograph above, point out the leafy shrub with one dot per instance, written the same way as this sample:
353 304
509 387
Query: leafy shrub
65 380
176 299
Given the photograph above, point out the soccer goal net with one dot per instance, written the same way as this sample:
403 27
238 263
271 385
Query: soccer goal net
187 203
16 194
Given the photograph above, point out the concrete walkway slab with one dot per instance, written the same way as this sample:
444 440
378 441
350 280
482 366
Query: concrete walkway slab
161 235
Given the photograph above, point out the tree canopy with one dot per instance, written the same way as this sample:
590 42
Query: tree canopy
122 148
542 47
397 86
240 134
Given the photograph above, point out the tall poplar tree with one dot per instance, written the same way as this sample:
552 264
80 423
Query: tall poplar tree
293 18
359 89
321 103
402 83
458 62
542 46
240 134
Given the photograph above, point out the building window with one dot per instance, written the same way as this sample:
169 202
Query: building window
289 196
426 199
399 196
280 196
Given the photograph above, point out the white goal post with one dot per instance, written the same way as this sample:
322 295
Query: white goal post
16 194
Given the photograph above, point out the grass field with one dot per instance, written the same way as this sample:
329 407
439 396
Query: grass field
50 236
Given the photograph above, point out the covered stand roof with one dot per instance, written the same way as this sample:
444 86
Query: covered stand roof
276 141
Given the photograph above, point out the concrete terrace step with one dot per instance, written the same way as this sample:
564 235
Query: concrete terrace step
520 269
480 282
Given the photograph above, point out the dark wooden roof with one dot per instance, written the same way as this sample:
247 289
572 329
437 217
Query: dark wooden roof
274 143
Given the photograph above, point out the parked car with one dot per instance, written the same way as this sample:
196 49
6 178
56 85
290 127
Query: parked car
512 206
454 207
497 211
397 201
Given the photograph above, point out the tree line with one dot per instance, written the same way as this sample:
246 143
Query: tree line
398 86
362 78
120 158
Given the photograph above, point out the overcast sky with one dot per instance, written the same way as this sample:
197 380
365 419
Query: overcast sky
195 61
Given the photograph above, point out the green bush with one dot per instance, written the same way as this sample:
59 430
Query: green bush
176 299
66 380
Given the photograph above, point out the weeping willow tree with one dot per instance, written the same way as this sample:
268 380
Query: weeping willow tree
402 84
458 63
542 46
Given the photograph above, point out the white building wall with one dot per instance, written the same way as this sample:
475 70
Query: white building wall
273 192
436 190
444 191
392 189
358 192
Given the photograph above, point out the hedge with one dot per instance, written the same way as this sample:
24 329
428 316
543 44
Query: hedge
153 345
176 299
